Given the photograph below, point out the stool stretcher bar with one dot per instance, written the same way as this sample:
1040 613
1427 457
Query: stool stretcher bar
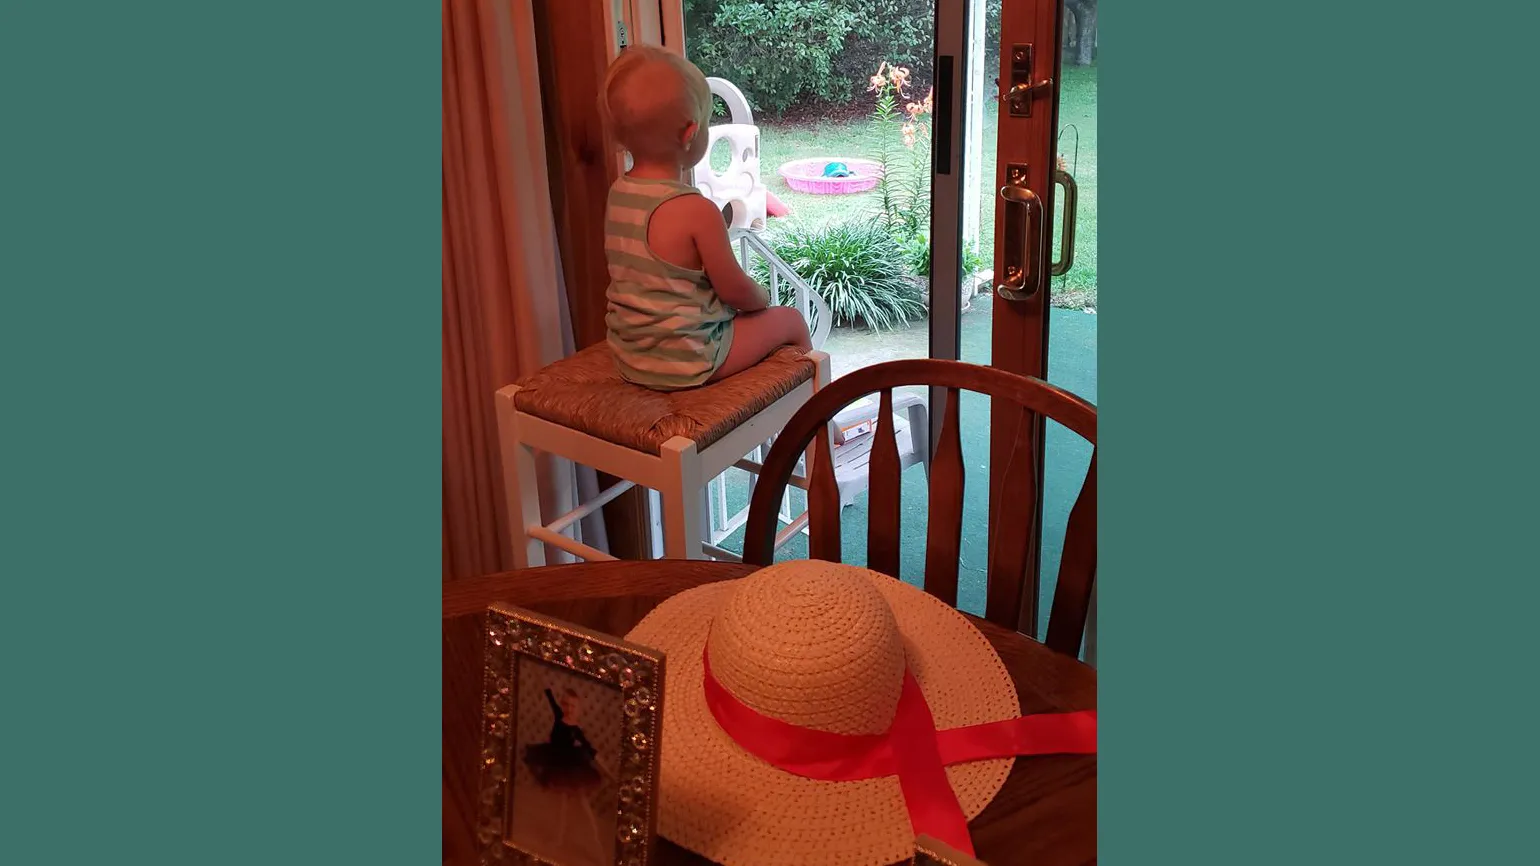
576 548
561 523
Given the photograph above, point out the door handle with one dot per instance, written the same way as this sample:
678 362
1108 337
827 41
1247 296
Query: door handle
1023 90
1067 230
1023 237
1019 96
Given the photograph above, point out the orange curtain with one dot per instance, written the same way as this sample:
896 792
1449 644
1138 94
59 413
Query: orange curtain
504 307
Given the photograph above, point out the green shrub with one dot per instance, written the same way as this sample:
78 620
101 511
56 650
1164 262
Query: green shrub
898 31
778 52
974 261
919 258
782 53
858 269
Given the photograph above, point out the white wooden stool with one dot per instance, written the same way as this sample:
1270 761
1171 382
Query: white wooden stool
674 443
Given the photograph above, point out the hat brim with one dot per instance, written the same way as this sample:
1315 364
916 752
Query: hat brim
725 804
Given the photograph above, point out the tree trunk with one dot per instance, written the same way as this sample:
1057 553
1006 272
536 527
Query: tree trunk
1085 33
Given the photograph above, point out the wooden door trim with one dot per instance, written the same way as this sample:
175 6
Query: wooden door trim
573 48
1019 342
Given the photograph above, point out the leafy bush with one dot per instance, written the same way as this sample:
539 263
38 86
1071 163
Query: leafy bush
858 269
782 53
902 32
918 249
973 261
778 52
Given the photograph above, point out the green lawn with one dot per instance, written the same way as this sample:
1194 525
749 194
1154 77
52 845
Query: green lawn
782 142
1077 112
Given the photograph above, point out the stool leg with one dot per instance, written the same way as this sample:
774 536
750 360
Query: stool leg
521 486
655 524
683 514
524 510
821 368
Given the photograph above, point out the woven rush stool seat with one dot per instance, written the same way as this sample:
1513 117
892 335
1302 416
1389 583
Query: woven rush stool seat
585 392
672 443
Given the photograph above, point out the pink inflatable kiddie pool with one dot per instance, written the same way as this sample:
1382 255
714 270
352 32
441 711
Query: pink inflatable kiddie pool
806 175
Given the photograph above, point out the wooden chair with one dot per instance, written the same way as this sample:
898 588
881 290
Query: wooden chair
1009 551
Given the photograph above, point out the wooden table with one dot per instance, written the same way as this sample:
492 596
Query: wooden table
1045 815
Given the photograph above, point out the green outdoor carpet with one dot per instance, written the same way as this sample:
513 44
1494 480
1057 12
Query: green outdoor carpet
1072 366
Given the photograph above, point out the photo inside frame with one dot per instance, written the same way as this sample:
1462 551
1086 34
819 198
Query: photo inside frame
563 796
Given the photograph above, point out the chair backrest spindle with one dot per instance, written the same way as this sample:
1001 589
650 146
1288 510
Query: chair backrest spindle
1011 538
1077 569
943 544
823 503
884 484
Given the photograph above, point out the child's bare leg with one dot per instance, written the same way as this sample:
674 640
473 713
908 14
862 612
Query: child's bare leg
756 335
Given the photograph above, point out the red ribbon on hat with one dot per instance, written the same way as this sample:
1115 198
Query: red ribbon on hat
911 749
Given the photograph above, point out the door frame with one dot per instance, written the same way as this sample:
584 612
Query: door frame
953 147
949 139
1019 342
649 22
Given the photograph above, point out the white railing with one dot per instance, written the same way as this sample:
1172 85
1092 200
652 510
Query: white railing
819 322
807 301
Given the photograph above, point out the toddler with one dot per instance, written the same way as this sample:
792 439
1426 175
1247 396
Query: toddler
681 311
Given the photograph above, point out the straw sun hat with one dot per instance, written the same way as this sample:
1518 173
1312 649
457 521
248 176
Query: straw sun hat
825 647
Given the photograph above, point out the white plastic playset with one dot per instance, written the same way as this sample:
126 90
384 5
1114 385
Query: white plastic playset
738 189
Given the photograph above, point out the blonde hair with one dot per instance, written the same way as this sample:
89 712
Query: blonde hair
648 96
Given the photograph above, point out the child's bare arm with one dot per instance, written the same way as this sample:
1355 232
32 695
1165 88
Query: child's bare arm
729 281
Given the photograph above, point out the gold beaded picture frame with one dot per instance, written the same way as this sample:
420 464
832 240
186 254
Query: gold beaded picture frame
932 852
569 744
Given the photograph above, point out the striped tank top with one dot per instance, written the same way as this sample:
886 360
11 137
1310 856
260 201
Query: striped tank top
667 328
